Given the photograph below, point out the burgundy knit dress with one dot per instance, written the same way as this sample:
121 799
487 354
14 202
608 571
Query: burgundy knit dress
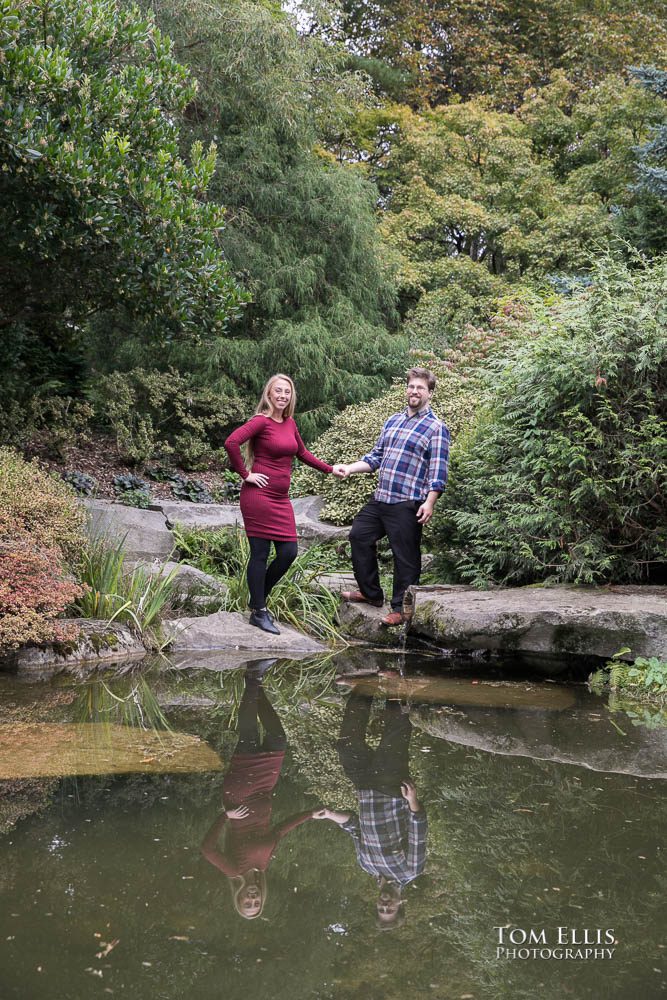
267 511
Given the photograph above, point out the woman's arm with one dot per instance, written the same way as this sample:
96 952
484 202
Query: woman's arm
309 459
209 847
238 437
292 823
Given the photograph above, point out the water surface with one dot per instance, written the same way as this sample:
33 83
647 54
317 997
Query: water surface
104 889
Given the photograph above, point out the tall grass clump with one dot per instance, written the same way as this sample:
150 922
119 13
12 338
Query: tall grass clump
116 593
296 599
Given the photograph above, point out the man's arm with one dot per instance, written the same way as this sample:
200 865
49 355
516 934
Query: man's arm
369 463
438 467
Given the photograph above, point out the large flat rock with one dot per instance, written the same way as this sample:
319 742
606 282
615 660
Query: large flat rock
363 622
97 641
145 533
560 621
229 630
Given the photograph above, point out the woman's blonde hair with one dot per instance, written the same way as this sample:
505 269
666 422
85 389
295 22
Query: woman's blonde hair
237 884
265 407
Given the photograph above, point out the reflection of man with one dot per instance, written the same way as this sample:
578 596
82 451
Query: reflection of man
412 456
389 831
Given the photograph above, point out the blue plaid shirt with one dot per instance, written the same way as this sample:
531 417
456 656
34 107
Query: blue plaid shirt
390 840
412 454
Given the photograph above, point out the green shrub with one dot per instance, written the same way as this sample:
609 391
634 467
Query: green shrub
563 477
40 507
644 679
162 414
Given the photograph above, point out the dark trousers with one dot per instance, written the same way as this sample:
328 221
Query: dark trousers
385 767
256 707
398 521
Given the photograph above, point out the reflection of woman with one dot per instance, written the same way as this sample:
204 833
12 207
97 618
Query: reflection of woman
273 441
250 840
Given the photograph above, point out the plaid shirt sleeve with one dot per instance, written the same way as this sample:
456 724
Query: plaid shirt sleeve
439 459
417 830
374 457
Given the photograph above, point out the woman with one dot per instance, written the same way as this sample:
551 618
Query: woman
250 840
273 440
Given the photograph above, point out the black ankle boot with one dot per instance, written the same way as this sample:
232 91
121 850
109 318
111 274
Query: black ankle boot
261 619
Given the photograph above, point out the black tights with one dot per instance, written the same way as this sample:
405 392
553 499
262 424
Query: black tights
262 580
254 707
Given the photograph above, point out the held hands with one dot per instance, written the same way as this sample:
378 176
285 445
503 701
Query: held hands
240 812
409 793
257 479
341 471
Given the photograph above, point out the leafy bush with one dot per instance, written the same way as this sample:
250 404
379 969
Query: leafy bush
132 491
192 490
41 531
154 413
33 592
39 507
645 678
81 482
563 477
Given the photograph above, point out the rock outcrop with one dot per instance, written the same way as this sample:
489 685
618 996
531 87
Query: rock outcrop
229 630
557 621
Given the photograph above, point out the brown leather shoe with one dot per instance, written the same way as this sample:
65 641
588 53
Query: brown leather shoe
356 597
393 618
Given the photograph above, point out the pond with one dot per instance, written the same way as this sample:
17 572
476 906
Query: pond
524 858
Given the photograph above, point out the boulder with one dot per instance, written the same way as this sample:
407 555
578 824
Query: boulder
559 621
200 515
229 630
98 641
145 533
189 577
309 528
363 622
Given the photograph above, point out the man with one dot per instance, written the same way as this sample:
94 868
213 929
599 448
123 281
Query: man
412 455
390 829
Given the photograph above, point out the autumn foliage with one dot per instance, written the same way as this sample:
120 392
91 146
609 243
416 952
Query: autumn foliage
40 537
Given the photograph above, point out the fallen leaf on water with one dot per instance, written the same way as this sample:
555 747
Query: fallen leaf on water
179 937
107 948
523 810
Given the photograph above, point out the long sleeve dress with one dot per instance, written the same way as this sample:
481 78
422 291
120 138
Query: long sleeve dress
267 511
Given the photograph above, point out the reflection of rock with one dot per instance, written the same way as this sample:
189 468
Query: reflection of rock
145 532
46 749
229 630
227 659
560 621
581 735
98 641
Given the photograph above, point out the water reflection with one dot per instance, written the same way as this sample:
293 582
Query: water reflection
249 838
389 829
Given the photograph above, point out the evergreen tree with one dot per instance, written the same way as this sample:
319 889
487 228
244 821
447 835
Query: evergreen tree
646 221
301 229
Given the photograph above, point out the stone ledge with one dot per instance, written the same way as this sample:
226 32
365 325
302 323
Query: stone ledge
562 621
98 641
229 630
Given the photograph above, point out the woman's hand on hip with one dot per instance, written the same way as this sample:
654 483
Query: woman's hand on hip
257 479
